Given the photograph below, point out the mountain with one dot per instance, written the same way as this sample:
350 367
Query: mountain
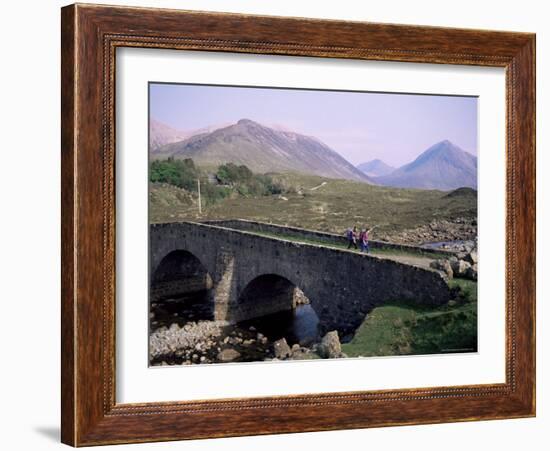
161 134
443 166
375 168
263 149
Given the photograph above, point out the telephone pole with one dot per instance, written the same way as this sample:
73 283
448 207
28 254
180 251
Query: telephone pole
199 190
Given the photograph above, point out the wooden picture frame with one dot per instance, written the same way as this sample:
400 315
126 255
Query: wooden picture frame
90 36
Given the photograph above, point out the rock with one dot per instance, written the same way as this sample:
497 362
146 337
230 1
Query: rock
248 342
444 266
471 272
203 358
228 355
460 267
299 352
471 257
330 347
166 341
281 349
299 298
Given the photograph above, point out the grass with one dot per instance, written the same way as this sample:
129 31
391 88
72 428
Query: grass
405 329
170 202
333 207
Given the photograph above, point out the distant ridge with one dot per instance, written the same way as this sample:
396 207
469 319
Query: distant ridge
462 192
263 149
443 166
375 168
161 134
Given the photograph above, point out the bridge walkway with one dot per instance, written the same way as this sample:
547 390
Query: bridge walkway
410 258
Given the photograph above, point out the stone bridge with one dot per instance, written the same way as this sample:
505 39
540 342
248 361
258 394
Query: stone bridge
244 275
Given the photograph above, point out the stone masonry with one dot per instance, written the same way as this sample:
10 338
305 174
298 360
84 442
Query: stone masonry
251 275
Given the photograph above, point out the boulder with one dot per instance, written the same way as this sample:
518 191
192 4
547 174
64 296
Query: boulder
281 349
472 257
460 267
471 272
300 353
443 266
299 298
228 355
330 347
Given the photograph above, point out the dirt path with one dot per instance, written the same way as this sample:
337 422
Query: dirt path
318 186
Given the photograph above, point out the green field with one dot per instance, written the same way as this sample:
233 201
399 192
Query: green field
405 329
332 207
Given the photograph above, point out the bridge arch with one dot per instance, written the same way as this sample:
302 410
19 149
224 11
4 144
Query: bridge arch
269 293
180 273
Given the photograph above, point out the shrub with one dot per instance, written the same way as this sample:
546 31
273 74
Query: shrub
231 179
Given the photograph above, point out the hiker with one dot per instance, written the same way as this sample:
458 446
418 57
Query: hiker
352 237
364 240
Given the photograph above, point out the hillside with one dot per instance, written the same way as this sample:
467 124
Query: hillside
263 149
443 166
320 203
375 168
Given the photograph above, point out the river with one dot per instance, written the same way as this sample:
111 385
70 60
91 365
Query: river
253 339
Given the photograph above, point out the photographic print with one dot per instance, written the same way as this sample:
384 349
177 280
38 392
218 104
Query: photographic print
297 224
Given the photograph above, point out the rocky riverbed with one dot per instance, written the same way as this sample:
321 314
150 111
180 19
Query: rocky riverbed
178 339
209 342
458 230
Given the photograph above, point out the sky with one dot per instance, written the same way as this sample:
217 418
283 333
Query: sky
360 126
